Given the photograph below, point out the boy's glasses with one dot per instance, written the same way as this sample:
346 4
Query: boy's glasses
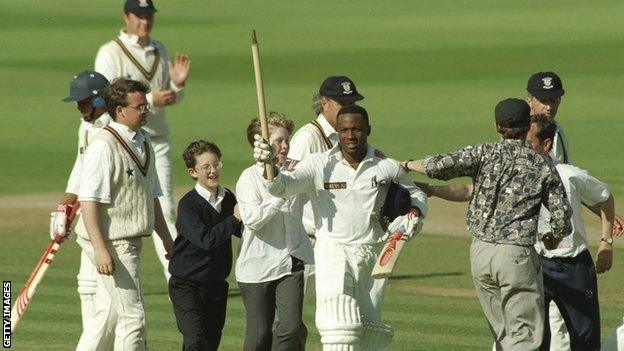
216 167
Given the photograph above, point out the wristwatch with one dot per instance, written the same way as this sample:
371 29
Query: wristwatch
607 240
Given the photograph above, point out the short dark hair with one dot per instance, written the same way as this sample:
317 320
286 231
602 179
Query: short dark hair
197 148
353 110
116 94
513 133
546 127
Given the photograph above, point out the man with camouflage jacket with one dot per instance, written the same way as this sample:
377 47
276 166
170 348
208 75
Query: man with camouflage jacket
511 182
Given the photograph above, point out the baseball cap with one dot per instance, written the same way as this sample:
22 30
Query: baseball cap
340 88
512 113
545 86
86 84
139 6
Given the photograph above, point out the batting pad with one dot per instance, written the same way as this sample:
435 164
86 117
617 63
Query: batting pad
339 323
376 337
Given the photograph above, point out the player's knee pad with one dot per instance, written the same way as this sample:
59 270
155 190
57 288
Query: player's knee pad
376 337
87 285
339 322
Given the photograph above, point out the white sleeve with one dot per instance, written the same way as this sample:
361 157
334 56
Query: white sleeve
255 211
301 180
591 190
95 184
105 64
73 184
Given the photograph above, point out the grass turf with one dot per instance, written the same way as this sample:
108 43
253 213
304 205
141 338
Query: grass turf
431 72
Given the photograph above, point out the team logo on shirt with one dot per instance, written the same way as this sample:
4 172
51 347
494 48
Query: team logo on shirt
335 185
130 172
376 183
547 83
346 88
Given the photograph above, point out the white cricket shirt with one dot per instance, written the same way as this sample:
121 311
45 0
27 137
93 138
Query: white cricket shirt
112 62
308 140
346 201
272 231
86 132
580 188
97 167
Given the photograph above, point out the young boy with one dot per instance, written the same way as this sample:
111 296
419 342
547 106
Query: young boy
202 253
273 250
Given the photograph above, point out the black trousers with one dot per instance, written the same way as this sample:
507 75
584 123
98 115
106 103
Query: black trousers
261 301
571 283
200 312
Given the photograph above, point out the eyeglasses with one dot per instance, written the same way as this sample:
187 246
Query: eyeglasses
141 108
216 167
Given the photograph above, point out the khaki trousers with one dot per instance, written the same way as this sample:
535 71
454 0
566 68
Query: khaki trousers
508 280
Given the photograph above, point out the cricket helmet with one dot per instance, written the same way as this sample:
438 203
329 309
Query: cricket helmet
85 85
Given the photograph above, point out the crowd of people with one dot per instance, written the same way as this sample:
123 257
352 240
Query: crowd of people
320 216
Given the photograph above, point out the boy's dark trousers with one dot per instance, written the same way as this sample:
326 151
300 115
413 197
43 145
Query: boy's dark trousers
200 312
571 283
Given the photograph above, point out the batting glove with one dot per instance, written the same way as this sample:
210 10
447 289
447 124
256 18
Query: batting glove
407 225
262 152
58 222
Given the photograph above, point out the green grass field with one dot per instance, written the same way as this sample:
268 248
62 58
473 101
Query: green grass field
431 72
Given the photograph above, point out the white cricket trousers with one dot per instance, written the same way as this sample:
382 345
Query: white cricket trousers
164 167
87 289
118 297
346 270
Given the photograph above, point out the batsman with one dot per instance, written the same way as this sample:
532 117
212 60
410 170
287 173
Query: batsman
86 90
347 186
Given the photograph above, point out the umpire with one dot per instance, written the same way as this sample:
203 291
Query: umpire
511 182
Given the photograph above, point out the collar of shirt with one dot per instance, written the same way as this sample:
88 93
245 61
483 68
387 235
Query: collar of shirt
99 123
327 128
336 154
133 40
135 137
213 199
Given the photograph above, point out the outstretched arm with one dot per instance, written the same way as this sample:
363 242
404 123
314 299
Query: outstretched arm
451 192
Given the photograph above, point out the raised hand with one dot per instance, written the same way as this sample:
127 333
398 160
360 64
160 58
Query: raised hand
262 152
179 69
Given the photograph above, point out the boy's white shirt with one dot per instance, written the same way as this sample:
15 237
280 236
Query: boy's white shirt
272 231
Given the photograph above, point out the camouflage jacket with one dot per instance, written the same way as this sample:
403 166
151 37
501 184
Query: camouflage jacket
511 182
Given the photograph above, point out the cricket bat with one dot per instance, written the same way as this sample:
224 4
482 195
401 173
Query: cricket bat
390 254
27 293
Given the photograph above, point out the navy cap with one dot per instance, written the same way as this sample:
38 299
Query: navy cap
513 113
139 6
545 86
85 85
340 88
